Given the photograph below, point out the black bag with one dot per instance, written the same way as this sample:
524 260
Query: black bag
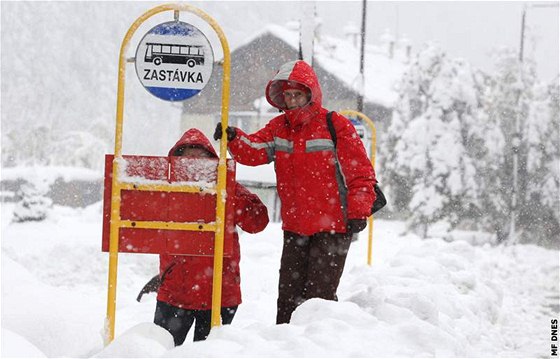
380 200
154 283
152 286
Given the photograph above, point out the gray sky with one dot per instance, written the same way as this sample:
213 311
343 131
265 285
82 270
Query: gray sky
468 29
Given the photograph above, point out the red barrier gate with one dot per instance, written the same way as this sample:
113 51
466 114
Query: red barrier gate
140 209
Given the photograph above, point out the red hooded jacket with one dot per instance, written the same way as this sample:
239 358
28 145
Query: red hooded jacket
187 282
320 187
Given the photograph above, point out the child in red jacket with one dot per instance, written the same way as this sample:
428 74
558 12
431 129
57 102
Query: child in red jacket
185 293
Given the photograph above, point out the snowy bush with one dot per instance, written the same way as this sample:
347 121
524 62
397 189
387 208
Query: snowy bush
33 204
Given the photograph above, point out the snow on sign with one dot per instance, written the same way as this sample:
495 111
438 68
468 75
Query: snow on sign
174 61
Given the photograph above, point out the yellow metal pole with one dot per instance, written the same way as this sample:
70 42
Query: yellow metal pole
115 191
115 223
371 125
221 195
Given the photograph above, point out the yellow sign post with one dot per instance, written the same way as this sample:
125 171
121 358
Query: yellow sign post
371 125
118 185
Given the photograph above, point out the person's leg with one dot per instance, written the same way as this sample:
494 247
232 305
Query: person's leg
293 269
202 324
227 314
204 320
177 321
327 256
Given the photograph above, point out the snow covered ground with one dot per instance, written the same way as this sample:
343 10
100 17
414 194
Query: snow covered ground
420 298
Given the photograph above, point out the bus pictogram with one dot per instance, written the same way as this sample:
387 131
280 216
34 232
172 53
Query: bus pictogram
174 61
159 53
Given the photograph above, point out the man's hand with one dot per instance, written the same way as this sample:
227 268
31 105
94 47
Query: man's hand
230 131
356 225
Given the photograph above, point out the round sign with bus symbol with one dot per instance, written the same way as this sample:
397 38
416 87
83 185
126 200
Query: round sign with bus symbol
174 61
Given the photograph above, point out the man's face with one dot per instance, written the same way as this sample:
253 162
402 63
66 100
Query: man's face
295 98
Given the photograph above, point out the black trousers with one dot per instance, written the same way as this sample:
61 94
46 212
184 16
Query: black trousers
310 267
179 321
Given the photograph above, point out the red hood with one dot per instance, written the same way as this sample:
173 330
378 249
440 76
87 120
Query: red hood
194 137
300 72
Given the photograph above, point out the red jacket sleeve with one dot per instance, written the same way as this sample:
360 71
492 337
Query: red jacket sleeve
357 168
250 213
256 149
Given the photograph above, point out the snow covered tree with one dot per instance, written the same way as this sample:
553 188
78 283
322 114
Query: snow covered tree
540 216
28 145
33 204
40 145
432 139
525 114
409 106
502 99
78 149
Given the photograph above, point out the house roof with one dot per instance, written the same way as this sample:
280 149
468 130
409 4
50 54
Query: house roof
336 62
341 58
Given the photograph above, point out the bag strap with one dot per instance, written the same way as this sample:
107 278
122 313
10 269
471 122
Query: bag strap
339 175
380 200
331 127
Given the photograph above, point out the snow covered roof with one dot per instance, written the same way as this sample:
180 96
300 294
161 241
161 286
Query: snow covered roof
289 36
341 58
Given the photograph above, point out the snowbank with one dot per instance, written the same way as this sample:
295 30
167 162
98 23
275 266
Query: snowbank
420 298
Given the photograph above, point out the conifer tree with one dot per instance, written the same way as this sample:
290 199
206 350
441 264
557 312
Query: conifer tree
430 141
539 219
523 115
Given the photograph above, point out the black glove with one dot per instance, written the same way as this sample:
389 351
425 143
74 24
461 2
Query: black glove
230 131
356 225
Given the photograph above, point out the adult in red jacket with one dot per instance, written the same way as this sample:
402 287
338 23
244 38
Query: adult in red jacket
185 292
326 192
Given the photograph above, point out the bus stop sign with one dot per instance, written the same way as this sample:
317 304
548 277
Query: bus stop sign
174 61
